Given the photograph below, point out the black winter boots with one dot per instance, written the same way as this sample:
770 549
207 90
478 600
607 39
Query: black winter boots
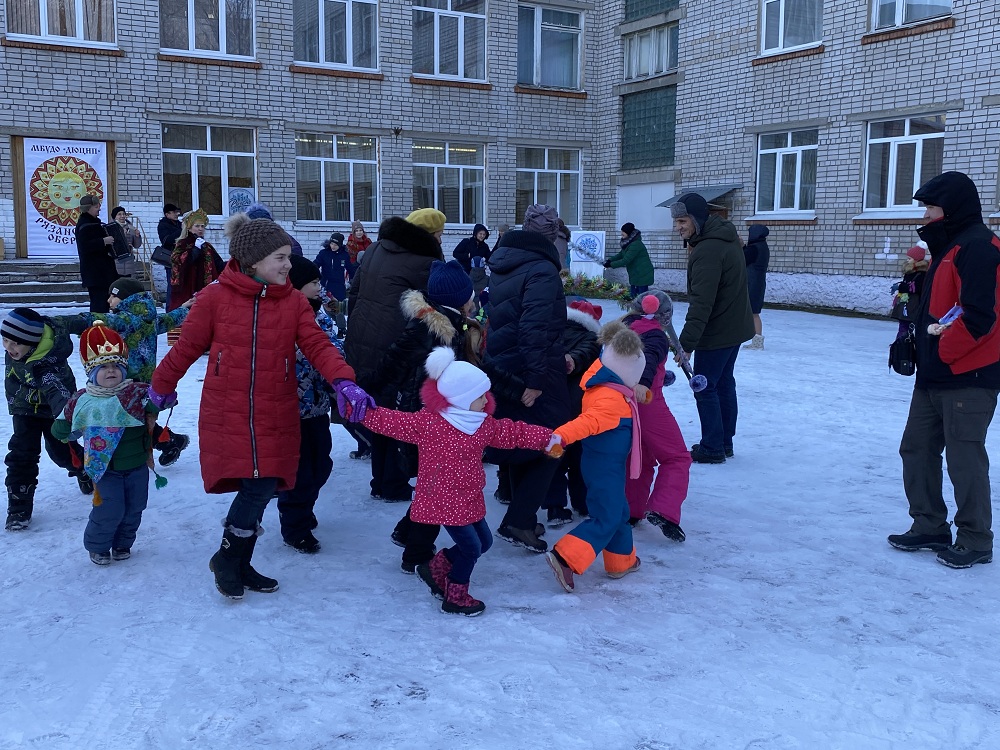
20 503
231 565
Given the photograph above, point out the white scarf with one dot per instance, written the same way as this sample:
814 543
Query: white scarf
463 420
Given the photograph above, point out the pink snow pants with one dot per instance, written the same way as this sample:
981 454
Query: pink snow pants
663 446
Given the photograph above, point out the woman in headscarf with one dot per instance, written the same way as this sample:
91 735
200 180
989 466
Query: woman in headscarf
194 264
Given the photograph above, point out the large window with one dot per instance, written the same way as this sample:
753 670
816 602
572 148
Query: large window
91 21
786 171
343 33
787 24
210 167
889 13
902 155
449 38
649 120
450 177
216 28
650 52
336 177
550 176
548 47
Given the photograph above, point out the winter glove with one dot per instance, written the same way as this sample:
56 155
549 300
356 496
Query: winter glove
352 401
199 242
162 401
606 264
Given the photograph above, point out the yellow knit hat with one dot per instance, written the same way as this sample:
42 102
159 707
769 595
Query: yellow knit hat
428 219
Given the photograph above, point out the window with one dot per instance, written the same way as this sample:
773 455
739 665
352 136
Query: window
902 155
215 28
450 177
550 176
336 177
635 9
210 167
336 32
650 52
548 47
91 21
649 120
890 13
449 38
788 24
786 171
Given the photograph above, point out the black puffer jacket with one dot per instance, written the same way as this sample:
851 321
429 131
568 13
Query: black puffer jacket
580 341
40 384
526 325
470 248
399 261
97 267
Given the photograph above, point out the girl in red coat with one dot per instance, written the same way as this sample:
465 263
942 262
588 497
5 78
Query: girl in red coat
250 323
451 432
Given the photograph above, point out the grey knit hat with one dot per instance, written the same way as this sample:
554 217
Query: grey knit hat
542 219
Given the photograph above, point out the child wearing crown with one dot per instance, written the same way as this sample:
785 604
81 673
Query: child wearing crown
110 416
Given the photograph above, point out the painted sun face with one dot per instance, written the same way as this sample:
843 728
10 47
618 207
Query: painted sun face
66 189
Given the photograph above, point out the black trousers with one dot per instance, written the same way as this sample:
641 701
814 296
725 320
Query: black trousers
249 504
25 451
419 539
529 486
295 506
99 298
389 477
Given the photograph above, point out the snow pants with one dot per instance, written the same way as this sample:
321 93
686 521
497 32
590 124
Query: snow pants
295 506
665 452
26 450
119 502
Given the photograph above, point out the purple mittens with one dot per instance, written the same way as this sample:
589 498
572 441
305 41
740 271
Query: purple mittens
352 401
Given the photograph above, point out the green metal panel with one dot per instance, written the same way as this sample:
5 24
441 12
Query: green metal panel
649 119
641 8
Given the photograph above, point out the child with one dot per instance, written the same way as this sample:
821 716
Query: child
609 429
357 243
250 323
663 448
451 432
333 261
110 415
906 293
133 315
38 382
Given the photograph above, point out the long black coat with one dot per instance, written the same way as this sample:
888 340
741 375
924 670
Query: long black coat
97 267
399 261
526 325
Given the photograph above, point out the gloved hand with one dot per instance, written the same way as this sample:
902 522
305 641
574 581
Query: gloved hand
555 447
606 264
199 242
163 401
352 401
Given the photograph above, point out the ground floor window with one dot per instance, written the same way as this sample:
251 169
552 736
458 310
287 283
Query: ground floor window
902 155
786 171
336 177
209 167
450 177
550 176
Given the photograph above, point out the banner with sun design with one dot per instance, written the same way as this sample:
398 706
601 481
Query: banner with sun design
57 174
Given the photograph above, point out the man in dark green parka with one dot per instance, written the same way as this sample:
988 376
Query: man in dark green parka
718 320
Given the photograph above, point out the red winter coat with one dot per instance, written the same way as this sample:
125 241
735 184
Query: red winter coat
450 476
249 421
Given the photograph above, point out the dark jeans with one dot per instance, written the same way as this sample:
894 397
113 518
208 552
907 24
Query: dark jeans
118 505
717 407
419 539
389 477
568 478
99 298
471 542
295 506
954 422
529 486
26 450
634 291
248 506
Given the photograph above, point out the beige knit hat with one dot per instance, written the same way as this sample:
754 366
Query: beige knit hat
252 240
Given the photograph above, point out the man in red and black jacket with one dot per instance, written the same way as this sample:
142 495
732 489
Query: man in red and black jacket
958 377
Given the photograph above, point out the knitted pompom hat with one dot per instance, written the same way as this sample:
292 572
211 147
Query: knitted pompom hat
252 240
622 353
658 305
458 383
918 252
101 345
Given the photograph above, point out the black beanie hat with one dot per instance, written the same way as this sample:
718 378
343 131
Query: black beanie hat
303 271
628 227
125 287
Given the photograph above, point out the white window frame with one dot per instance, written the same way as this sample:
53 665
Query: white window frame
781 47
894 143
481 212
901 13
779 153
558 172
337 159
77 40
660 35
221 53
222 156
461 16
540 25
350 64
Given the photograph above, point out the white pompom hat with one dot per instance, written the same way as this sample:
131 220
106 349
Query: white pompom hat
459 383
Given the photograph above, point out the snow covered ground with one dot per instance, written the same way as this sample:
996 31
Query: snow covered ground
785 621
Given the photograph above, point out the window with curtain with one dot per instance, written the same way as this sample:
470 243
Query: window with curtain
788 24
213 28
336 177
449 38
551 176
338 33
650 52
902 156
649 122
548 47
889 13
208 166
450 177
786 171
82 21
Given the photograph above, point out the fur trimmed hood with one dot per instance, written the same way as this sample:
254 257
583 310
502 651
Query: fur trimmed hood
416 307
583 319
398 235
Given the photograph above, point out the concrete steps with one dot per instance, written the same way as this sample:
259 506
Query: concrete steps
32 283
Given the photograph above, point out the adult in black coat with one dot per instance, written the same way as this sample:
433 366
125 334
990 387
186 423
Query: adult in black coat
169 228
399 261
93 245
757 255
526 325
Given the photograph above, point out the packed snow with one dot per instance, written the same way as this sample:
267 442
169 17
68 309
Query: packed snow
784 621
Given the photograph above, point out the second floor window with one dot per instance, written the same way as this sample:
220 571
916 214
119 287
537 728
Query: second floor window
889 13
902 156
450 177
787 24
337 32
548 47
449 38
650 52
550 176
217 28
81 20
209 167
786 171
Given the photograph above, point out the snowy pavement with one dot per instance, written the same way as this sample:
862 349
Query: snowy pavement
784 621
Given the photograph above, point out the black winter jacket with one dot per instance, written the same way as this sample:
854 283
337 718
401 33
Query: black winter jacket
97 267
470 248
168 230
756 253
40 384
399 261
